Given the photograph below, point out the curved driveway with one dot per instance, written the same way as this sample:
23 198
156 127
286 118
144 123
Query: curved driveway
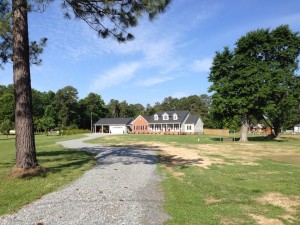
122 189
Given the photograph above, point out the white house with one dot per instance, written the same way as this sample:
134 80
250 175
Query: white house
169 122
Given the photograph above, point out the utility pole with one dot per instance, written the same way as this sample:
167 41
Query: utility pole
91 122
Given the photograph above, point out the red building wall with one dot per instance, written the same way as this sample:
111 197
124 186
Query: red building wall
140 126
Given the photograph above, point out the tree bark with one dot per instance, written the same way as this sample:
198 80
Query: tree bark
244 128
25 143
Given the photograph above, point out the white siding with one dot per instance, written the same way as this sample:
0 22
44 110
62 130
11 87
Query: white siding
115 129
199 126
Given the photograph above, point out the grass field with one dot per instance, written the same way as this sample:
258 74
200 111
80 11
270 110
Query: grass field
63 166
208 181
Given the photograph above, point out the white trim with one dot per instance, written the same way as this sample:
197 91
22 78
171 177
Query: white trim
165 116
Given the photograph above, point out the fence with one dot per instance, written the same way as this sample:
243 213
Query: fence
223 132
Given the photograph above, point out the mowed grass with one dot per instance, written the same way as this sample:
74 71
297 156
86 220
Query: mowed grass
246 183
63 166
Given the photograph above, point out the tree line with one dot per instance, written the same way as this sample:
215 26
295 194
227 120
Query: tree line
64 109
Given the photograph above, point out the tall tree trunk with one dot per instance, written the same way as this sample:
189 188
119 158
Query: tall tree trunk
276 128
244 128
25 144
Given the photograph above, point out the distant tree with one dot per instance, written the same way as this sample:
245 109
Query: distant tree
123 109
292 118
7 107
6 126
134 110
66 105
114 108
157 106
50 112
149 111
47 123
92 108
169 104
39 103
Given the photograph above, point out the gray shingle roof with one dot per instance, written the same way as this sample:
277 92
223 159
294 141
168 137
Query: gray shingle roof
192 119
114 121
180 114
297 125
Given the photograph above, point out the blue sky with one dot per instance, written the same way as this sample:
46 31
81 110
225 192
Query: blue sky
170 56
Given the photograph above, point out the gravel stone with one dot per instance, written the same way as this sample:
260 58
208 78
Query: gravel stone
123 188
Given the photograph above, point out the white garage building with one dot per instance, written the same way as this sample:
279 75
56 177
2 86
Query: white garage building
113 125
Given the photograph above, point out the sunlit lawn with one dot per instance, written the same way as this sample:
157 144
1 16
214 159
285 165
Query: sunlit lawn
254 183
63 165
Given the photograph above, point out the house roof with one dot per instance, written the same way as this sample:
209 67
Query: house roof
192 119
297 125
181 116
114 121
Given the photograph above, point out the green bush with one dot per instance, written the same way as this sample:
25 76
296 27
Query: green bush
75 131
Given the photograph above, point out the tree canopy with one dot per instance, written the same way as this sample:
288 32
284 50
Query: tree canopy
258 78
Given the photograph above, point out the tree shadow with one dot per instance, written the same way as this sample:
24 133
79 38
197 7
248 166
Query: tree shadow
124 155
250 139
220 139
7 138
265 139
71 158
174 160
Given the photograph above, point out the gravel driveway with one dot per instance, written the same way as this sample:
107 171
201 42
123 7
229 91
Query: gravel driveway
122 189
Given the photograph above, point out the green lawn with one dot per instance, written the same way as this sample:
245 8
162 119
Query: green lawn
247 183
63 165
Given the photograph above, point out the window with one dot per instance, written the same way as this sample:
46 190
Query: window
189 127
155 117
165 116
175 117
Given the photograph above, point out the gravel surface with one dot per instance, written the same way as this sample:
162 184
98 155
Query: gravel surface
122 189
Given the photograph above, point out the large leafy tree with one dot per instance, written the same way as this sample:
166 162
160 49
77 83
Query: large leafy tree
281 83
257 78
108 18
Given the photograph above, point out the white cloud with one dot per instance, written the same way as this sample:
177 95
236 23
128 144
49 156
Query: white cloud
201 65
153 81
116 76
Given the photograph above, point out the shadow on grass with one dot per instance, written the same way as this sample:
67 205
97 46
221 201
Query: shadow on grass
174 160
250 139
56 161
9 138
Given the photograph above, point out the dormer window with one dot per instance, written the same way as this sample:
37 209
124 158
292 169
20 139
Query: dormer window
165 116
155 117
175 117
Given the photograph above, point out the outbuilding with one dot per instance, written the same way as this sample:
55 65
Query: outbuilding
113 125
297 128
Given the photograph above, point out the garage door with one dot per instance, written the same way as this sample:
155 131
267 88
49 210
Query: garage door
116 129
